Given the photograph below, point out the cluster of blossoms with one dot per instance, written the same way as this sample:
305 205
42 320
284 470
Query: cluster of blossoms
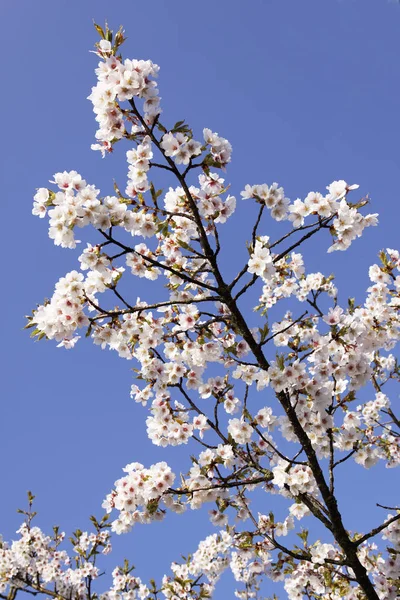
36 563
318 580
139 164
168 427
299 479
273 197
341 361
284 277
63 314
209 202
200 362
36 557
139 488
240 430
347 225
260 262
210 556
180 147
359 430
220 148
78 205
121 82
126 586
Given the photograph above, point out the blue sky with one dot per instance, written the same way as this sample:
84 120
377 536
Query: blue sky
307 92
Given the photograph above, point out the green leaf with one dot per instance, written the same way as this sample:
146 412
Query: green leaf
109 33
303 535
163 228
280 361
99 30
183 245
155 194
119 39
263 332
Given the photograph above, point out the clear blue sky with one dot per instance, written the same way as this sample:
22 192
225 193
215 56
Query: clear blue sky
306 91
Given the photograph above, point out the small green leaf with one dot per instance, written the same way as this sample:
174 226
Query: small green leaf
99 30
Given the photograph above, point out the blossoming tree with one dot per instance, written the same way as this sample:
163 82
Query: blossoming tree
277 409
